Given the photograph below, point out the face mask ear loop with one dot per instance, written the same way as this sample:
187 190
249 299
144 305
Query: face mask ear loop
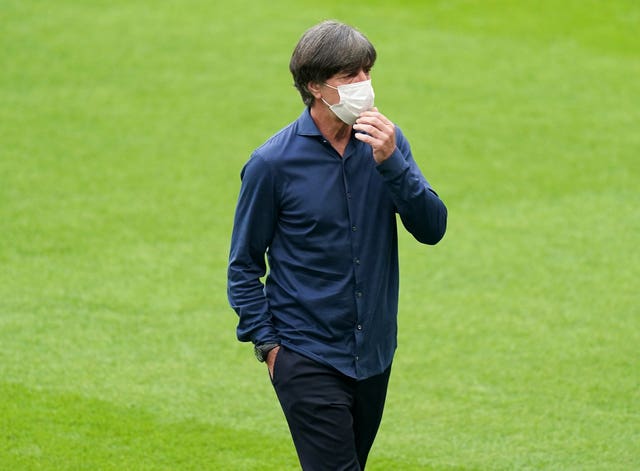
325 101
322 98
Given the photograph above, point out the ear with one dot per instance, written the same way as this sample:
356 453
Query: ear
314 89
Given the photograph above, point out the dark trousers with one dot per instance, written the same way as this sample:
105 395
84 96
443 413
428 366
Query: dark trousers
333 419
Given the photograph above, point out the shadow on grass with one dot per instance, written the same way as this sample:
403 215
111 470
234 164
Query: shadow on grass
44 430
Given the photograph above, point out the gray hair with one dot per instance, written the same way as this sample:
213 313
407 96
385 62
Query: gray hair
326 49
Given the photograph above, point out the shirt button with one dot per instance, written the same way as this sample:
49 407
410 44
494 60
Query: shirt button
359 327
359 294
357 357
349 195
354 228
356 261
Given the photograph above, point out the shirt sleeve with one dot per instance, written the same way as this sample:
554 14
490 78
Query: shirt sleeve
253 228
422 212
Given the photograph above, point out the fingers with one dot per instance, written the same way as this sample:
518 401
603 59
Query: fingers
374 113
377 131
374 123
374 129
378 145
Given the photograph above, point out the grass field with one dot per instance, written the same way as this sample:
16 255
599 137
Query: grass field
123 128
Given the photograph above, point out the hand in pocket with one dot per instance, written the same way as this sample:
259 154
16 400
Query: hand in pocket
271 360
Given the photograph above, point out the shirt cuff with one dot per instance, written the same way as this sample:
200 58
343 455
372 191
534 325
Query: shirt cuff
394 166
264 336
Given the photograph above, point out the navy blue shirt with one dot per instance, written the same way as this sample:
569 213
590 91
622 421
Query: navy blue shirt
327 225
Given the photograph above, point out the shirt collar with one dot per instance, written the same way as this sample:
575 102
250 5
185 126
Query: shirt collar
306 125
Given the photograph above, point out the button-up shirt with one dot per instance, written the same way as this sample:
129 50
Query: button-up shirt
327 224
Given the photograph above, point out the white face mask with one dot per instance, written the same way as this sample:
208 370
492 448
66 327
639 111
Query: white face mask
354 99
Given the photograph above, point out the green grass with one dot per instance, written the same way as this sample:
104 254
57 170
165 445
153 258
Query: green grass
123 128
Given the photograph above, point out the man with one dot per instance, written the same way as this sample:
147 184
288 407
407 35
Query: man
320 199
